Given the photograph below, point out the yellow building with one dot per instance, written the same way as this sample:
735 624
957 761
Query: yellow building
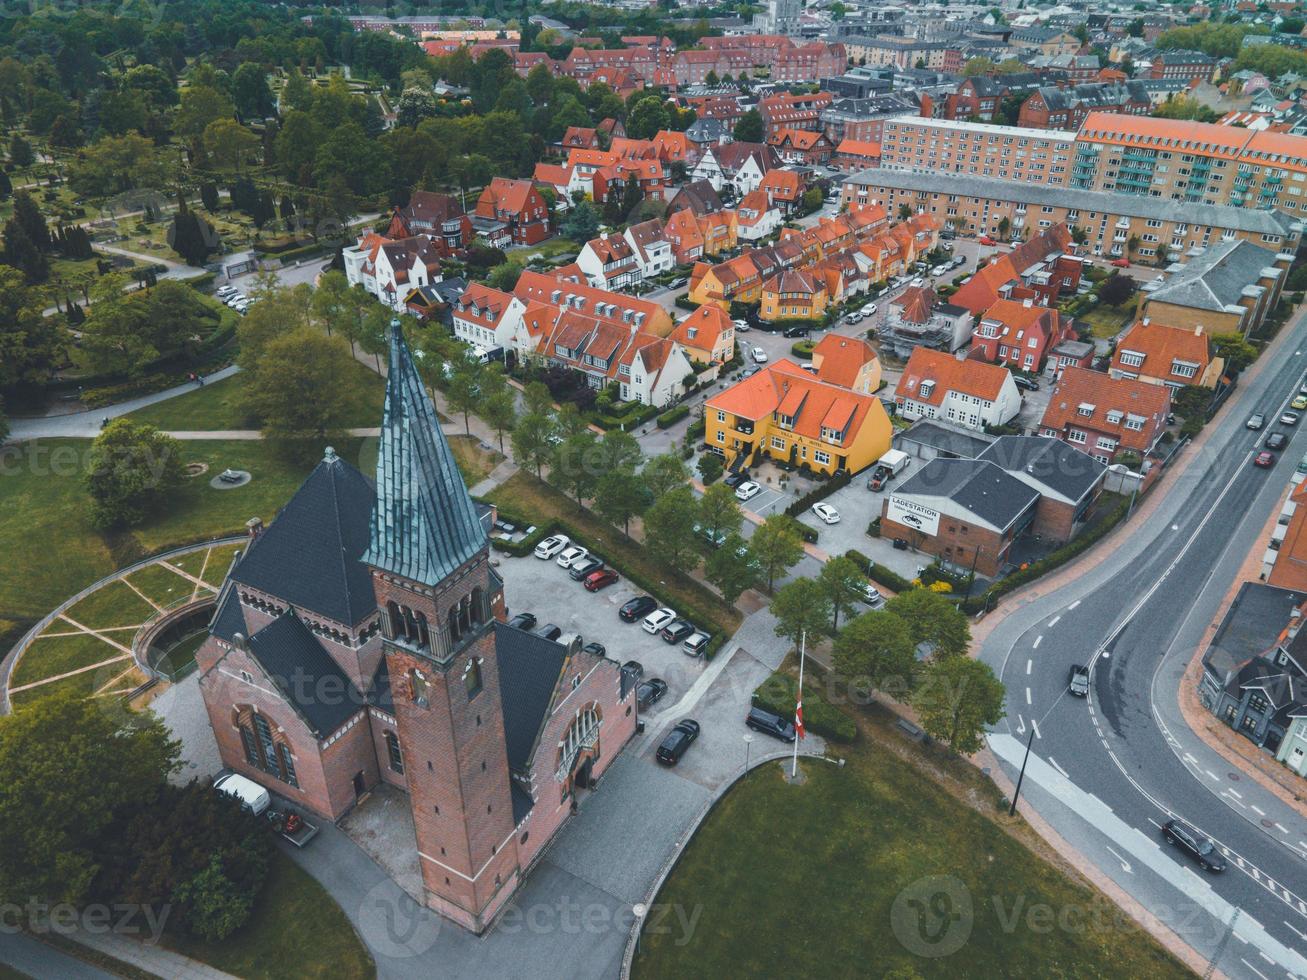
793 295
785 413
848 362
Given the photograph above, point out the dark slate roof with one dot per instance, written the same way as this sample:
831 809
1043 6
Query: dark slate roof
945 439
310 555
449 290
1251 627
1051 462
529 668
522 802
305 674
379 690
977 486
424 524
1215 279
228 619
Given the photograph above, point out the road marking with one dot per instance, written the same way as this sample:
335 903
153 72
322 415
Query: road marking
1256 809
1235 802
1125 865
1039 639
1053 762
1029 664
1253 968
1190 757
1027 695
1074 604
1267 958
1295 930
1234 792
1281 827
1035 726
1212 774
1155 823
1054 621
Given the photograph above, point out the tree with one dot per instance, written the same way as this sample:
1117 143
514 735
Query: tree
732 568
29 217
617 450
669 529
464 389
229 145
572 469
777 546
877 647
191 236
201 105
664 473
304 387
1116 289
537 398
647 117
905 212
933 620
134 468
217 905
844 584
801 607
20 151
504 277
581 223
1132 246
30 343
1238 353
532 440
749 128
956 699
719 513
498 407
21 253
710 468
250 92
620 496
88 767
1004 226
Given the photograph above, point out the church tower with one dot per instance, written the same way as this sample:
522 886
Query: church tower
439 599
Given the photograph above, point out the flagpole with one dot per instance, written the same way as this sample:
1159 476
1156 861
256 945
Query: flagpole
794 764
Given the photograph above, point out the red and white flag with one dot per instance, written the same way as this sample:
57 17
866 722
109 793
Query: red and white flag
798 717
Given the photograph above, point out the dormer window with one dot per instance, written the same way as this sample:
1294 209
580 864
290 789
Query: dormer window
926 388
1086 409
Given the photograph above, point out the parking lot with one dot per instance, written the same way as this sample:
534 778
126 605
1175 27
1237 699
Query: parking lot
858 507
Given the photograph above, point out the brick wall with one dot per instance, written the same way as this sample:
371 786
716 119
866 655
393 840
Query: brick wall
956 545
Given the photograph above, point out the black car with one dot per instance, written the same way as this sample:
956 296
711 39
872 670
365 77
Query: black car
634 668
1027 383
1277 440
736 478
594 649
796 331
523 621
1194 844
770 724
584 567
676 631
550 632
677 741
637 608
650 692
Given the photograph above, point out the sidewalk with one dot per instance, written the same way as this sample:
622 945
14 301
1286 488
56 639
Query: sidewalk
150 957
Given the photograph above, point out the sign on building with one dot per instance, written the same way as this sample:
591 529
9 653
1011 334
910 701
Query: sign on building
913 515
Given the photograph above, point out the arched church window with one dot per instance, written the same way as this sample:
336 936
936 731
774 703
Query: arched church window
472 677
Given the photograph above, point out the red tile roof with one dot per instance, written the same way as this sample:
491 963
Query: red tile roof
984 381
1102 395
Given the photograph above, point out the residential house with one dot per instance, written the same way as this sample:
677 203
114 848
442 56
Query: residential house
1020 334
1059 107
801 146
682 232
856 155
511 212
738 166
390 269
654 371
609 262
917 317
793 295
567 290
1041 269
1106 416
972 394
756 217
707 335
439 217
784 190
848 362
652 249
1165 355
1228 287
1067 479
486 317
698 196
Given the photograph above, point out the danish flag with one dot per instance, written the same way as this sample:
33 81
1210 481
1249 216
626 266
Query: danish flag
798 716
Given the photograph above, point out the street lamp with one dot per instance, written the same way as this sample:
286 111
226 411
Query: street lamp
748 743
639 910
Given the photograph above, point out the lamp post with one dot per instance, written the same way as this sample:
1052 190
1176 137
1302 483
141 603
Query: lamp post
1011 811
748 743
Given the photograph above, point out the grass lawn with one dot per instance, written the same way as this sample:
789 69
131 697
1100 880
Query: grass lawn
296 930
219 563
113 605
802 880
82 685
1106 322
55 655
162 585
526 497
474 462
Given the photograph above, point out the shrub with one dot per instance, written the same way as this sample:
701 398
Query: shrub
304 252
779 693
685 303
824 490
803 350
672 416
873 529
879 573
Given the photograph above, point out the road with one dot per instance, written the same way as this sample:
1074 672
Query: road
1105 775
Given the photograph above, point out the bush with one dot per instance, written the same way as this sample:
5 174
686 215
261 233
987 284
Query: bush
873 570
779 693
304 252
837 482
803 350
873 529
202 282
672 416
685 303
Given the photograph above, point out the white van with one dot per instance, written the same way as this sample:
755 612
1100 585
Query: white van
252 796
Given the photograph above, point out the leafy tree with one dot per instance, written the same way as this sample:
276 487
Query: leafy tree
531 440
201 105
664 473
30 343
933 620
572 469
1183 107
250 92
581 223
464 389
537 398
217 905
87 768
1116 289
617 450
229 145
710 468
504 277
134 468
647 117
297 94
844 584
977 66
21 253
905 212
209 196
876 646
20 151
777 546
732 568
29 217
1238 353
621 495
719 512
117 163
669 529
498 406
956 699
304 388
801 607
749 128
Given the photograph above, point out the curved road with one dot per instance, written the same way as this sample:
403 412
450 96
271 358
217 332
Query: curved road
1108 773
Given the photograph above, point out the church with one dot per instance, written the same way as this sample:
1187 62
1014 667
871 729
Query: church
360 639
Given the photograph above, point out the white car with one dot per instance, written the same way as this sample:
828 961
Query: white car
826 513
747 490
741 325
570 556
868 310
224 291
551 545
918 282
870 596
759 355
657 619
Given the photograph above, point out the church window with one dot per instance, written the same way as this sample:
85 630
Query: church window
472 678
419 686
455 633
287 764
478 605
393 754
251 747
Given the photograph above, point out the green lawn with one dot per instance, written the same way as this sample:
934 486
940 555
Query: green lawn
162 585
1106 322
803 881
296 930
55 655
474 462
113 605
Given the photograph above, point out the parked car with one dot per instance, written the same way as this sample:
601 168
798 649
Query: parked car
224 291
551 546
1029 384
1200 848
1290 418
741 326
523 621
853 318
676 631
637 608
759 355
1079 682
1276 440
1265 460
594 649
986 240
715 538
677 741
747 490
1302 464
677 283
695 643
650 692
879 477
549 631
770 724
796 331
571 555
736 478
1121 263
918 282
871 596
657 619
600 579
584 567
252 796
1256 421
868 310
826 513
1299 403
634 668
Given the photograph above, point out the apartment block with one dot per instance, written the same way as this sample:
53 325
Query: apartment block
1036 156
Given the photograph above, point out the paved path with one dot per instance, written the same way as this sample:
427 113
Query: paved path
35 959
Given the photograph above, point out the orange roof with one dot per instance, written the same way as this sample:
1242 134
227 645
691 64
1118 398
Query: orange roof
801 139
1167 134
506 194
592 158
859 148
1018 315
786 388
1290 568
1161 346
1080 389
553 290
918 302
970 377
552 174
703 328
783 185
981 291
839 359
671 145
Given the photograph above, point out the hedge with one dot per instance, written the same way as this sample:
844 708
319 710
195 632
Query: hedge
803 350
628 420
685 303
874 570
838 482
779 693
306 251
672 416
202 282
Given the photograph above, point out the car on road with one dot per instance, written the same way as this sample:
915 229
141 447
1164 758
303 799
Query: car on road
572 554
759 355
1255 421
1264 459
736 478
650 692
676 631
677 283
695 643
741 326
550 631
657 619
747 490
579 570
1079 681
918 282
868 310
769 723
986 240
637 608
594 649
1029 384
1191 842
854 317
1290 418
1121 263
551 546
600 579
1276 440
1299 403
523 621
796 331
676 741
826 513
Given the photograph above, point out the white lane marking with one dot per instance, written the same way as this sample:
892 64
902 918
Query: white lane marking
1029 664
1297 932
1212 774
1256 809
1038 640
1191 758
1253 968
1054 620
1234 792
1028 696
1281 827
1125 865
1155 823
1074 604
1035 725
1267 958
1053 762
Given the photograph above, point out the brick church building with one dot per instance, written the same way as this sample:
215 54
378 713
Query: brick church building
360 639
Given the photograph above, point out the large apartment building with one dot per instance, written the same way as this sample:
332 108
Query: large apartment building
1036 156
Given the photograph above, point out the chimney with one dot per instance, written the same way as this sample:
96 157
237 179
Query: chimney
254 527
1198 329
1145 323
1028 302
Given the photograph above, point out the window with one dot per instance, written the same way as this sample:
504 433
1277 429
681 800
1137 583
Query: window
1085 409
818 456
777 442
287 764
1076 436
393 754
472 677
1135 423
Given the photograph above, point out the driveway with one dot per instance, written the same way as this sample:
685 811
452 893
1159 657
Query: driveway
858 507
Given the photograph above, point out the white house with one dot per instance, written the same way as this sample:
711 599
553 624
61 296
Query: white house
609 262
755 218
652 249
487 318
969 393
653 371
389 269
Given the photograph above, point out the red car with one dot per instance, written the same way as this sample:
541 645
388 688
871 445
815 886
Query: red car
986 240
1121 263
1264 459
598 580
